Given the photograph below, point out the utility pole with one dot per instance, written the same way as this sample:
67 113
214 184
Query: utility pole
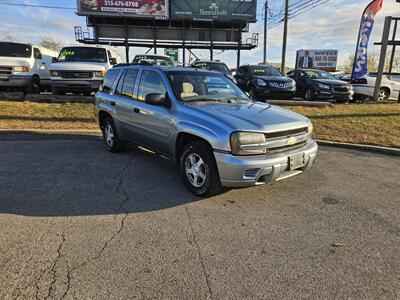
265 30
285 31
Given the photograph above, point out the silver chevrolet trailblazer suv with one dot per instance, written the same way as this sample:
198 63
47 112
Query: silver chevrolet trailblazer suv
206 124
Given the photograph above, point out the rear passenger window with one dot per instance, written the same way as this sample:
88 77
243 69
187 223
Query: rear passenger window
109 79
150 82
129 83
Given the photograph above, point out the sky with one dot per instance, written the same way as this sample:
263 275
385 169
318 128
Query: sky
333 25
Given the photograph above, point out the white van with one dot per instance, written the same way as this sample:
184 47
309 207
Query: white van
25 67
80 69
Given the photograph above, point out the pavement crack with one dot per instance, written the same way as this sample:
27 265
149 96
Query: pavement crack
199 254
121 208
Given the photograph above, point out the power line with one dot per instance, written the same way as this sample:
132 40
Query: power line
37 6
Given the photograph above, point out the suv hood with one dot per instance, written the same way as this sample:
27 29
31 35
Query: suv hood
78 66
251 116
275 78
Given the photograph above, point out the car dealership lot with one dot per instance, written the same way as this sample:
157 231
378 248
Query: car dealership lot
78 222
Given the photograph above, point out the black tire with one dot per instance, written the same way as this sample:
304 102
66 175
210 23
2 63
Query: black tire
210 184
113 143
252 93
308 94
33 87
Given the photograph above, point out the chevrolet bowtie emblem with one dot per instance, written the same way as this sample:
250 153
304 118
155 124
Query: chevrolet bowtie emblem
292 141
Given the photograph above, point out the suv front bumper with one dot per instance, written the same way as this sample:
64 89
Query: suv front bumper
234 171
15 81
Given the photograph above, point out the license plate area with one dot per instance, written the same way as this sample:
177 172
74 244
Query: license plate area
297 161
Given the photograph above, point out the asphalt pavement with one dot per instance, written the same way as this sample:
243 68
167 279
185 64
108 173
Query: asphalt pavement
77 222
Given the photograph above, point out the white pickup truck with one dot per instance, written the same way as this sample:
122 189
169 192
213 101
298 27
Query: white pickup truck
80 69
24 67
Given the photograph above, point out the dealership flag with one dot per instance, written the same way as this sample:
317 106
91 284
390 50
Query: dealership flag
360 67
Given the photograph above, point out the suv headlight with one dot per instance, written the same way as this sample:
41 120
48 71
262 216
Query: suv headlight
324 86
310 128
21 69
261 82
248 143
55 74
99 73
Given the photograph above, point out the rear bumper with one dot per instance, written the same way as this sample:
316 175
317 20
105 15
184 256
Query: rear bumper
76 85
15 81
267 169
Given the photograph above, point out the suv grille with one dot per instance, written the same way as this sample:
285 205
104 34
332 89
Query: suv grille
5 70
75 75
280 85
341 88
286 140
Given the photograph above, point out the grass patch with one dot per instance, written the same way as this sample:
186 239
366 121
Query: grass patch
29 115
374 124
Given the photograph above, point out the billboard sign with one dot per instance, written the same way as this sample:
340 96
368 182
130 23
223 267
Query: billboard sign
131 8
217 10
317 59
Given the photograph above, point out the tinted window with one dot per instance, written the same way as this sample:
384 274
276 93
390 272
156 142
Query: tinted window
15 50
213 66
109 79
316 74
153 60
151 82
36 53
83 54
128 83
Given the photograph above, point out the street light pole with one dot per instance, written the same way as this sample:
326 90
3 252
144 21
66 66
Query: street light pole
285 32
265 30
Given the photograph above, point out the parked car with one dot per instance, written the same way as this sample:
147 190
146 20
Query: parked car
211 65
155 60
264 82
315 84
80 69
206 124
364 87
24 67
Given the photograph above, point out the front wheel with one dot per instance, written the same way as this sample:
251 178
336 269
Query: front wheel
199 169
111 139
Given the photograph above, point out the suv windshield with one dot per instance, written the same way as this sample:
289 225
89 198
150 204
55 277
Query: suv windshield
264 71
15 50
213 66
315 74
153 60
86 54
204 86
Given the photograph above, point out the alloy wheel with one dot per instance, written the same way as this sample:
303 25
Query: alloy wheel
195 170
109 135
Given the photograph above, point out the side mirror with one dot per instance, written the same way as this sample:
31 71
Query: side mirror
113 61
54 59
158 99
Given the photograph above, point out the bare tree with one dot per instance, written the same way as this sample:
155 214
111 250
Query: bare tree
50 43
373 62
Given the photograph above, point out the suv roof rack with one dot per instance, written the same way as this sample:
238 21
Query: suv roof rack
142 63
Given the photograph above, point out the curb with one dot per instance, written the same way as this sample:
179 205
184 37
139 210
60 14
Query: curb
300 103
361 147
52 131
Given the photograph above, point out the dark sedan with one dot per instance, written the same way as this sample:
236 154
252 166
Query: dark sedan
316 84
264 82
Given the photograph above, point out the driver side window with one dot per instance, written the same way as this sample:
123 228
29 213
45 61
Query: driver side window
150 82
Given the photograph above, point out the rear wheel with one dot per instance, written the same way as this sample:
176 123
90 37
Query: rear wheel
33 87
308 94
383 95
111 139
199 169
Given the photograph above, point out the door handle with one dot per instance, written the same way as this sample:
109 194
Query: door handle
136 110
112 103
